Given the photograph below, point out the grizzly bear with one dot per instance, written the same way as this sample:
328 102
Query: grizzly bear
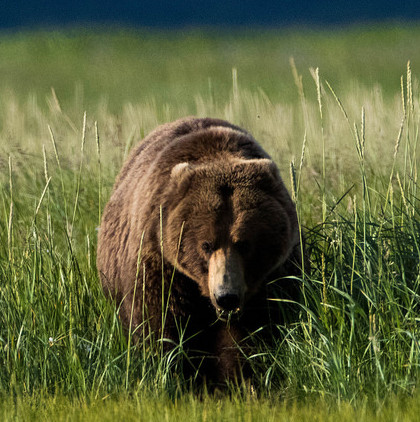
197 236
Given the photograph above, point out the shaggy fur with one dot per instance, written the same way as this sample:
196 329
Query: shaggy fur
204 193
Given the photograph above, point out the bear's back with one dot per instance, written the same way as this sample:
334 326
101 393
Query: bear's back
188 139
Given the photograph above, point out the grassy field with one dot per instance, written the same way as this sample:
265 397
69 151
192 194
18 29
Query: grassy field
141 407
339 113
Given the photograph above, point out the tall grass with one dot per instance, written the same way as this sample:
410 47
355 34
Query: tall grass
352 157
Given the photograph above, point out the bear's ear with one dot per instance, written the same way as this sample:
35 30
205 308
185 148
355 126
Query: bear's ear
181 170
265 165
181 174
268 165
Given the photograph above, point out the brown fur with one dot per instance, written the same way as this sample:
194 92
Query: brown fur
189 183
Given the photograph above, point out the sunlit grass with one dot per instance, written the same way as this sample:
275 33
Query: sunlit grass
137 406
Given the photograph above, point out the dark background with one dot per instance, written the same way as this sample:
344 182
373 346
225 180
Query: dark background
18 14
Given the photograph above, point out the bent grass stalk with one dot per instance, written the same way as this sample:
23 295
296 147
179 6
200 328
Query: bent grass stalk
10 222
166 309
79 175
163 279
130 328
98 151
63 191
315 75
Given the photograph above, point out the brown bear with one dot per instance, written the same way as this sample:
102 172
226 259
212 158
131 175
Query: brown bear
195 239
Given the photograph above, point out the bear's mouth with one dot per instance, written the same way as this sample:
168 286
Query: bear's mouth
227 316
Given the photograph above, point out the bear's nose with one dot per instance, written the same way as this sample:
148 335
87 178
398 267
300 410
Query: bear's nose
228 301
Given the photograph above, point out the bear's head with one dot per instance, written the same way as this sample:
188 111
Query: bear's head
227 225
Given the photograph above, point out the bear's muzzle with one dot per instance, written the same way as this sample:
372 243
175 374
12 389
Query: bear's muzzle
226 280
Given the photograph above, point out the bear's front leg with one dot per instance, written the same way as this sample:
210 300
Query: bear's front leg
230 352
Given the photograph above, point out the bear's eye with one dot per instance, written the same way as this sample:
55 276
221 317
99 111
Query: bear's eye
242 247
207 247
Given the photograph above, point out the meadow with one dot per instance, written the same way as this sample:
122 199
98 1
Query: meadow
339 113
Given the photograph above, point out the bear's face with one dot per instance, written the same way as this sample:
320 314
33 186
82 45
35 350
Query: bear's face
229 227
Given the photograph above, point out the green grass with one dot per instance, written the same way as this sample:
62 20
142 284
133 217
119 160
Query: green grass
345 138
144 408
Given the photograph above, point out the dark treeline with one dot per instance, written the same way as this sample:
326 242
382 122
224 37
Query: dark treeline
184 13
